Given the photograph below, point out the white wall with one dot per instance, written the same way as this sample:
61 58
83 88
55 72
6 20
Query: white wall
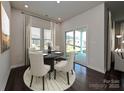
5 57
17 38
94 20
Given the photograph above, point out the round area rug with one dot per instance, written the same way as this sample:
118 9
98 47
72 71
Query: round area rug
58 84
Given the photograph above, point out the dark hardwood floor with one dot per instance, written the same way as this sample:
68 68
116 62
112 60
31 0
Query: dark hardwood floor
86 80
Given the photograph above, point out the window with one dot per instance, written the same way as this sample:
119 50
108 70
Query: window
69 41
84 39
36 37
47 38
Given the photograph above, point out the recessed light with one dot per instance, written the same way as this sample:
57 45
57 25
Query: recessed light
26 6
118 36
58 1
59 19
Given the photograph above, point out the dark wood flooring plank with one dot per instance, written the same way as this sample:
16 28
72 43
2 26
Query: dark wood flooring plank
85 79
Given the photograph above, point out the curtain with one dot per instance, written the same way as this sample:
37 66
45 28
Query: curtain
29 22
113 37
108 42
53 29
122 33
27 37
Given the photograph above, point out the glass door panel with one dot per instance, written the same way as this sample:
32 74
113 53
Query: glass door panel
77 41
83 49
80 46
69 41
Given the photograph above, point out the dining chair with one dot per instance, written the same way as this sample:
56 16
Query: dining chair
31 49
38 68
57 48
65 66
118 62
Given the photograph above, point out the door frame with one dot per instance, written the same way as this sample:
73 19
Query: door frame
83 27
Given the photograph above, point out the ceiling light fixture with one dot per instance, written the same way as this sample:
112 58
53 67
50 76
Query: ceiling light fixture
118 36
58 1
59 19
26 6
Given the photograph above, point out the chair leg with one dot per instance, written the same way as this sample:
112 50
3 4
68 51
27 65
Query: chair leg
54 74
49 75
31 80
68 78
74 66
29 67
43 83
72 72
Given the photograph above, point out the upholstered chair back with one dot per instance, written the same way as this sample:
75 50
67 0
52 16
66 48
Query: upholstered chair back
31 49
37 63
57 48
70 61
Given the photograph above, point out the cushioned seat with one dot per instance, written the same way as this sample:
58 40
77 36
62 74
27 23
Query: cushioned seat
60 65
47 67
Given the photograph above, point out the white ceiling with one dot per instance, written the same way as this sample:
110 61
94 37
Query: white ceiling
65 9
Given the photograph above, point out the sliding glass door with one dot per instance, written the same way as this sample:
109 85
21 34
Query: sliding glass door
76 41
83 45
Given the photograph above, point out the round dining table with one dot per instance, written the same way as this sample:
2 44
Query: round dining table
50 58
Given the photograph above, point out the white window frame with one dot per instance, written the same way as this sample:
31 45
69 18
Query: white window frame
42 37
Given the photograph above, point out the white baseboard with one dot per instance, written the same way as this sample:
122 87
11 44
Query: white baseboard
4 82
17 65
96 69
